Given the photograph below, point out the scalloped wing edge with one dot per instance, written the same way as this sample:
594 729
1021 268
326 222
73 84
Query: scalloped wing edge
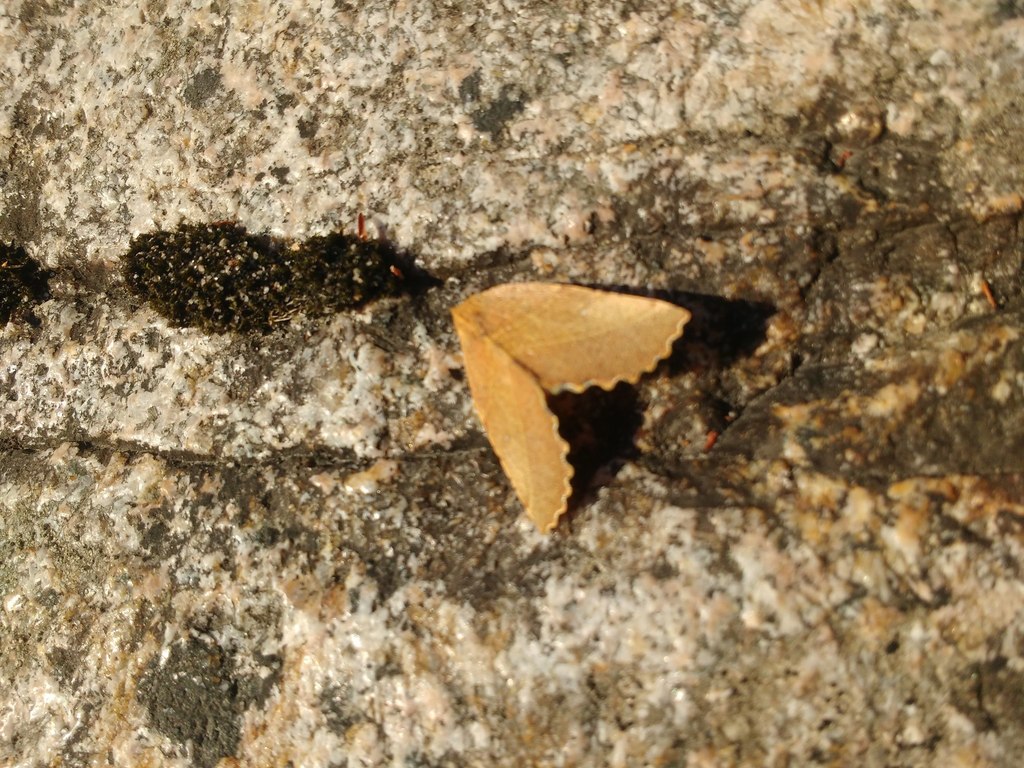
568 473
608 384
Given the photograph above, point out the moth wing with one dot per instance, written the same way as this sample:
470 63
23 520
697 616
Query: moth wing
573 337
524 434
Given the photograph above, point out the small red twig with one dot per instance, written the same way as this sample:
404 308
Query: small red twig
989 296
710 442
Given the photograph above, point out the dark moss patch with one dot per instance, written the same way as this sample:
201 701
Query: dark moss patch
197 696
23 283
469 88
338 703
202 86
221 278
1006 10
493 117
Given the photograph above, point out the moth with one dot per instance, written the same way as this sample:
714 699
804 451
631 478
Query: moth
523 341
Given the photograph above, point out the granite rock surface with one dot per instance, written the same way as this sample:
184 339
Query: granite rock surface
802 542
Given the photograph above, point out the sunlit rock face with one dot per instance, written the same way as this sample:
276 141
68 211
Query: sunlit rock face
248 517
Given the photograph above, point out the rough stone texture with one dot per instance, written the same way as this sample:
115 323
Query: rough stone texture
296 548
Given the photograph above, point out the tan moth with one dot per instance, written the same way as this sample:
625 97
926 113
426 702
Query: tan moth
524 340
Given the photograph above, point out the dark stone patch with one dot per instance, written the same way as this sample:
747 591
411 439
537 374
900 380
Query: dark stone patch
23 283
446 540
449 759
991 695
892 171
21 217
280 173
299 539
197 696
493 117
64 663
469 88
878 271
658 225
663 570
756 433
947 422
256 689
965 430
1007 10
308 127
339 708
202 86
681 433
285 101
995 248
158 540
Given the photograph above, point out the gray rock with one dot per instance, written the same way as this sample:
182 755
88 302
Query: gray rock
292 544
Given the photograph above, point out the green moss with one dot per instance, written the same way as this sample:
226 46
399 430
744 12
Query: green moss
23 283
220 278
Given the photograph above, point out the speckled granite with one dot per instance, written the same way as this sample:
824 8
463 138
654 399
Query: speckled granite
296 548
